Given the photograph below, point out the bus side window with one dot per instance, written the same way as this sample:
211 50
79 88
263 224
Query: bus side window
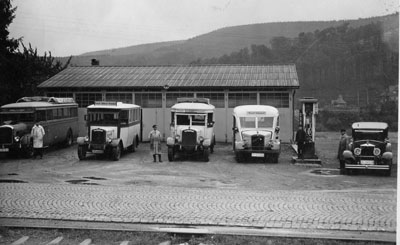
123 116
210 121
49 114
41 115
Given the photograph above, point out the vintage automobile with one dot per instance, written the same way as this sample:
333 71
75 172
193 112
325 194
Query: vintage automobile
369 148
192 128
112 128
256 132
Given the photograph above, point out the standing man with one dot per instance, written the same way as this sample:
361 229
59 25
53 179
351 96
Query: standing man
300 140
343 145
37 134
155 143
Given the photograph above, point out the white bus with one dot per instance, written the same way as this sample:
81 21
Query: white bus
112 127
256 132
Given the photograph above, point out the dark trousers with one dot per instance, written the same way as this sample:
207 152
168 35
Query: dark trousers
300 149
37 152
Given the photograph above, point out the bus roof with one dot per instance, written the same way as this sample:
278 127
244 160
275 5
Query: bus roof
255 110
40 102
370 125
111 105
192 107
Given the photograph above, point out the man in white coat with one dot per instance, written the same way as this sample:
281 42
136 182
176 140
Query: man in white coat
155 143
37 134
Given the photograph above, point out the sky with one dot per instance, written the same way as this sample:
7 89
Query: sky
73 27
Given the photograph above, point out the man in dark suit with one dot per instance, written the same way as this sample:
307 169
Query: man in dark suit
300 140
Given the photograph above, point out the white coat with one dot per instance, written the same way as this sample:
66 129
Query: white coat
37 134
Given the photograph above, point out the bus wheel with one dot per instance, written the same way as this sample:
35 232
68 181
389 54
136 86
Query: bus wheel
239 157
69 140
132 148
81 152
171 154
275 158
206 154
116 152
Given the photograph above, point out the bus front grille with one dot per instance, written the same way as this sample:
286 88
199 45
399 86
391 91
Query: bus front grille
6 135
189 137
98 137
257 142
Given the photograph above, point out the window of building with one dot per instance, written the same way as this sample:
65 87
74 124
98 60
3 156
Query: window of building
171 97
60 95
149 100
86 99
119 97
279 100
216 99
236 99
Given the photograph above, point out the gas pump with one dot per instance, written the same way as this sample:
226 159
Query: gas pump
307 119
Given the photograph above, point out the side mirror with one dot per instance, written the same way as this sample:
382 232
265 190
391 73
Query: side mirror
277 129
235 129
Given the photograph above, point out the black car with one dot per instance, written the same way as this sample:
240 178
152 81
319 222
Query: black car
369 148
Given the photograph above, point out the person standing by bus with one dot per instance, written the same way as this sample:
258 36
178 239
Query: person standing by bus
37 134
343 145
300 140
155 143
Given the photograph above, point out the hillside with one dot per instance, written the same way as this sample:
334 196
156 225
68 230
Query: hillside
224 41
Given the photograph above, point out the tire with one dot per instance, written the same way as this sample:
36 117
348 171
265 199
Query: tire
388 172
275 158
81 152
116 152
132 148
171 154
239 157
206 154
69 140
28 151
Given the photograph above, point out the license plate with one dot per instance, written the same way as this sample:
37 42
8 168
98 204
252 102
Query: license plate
98 151
4 149
367 162
257 154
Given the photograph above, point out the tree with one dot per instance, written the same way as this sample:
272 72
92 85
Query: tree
21 70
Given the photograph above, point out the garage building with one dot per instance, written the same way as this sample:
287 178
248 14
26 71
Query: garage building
156 89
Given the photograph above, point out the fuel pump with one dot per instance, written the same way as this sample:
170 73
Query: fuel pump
307 119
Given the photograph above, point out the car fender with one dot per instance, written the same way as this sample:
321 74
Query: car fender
115 142
387 155
26 139
348 154
81 140
170 141
207 142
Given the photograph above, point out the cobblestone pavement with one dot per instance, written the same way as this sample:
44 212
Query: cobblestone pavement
350 210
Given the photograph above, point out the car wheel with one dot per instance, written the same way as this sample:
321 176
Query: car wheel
28 151
132 148
81 152
69 139
116 152
206 154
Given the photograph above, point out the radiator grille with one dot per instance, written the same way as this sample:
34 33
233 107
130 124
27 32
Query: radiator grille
98 136
189 137
257 142
6 135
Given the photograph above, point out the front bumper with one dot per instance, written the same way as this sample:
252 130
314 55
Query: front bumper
362 166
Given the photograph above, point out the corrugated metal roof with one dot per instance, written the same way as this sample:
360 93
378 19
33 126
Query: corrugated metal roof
175 76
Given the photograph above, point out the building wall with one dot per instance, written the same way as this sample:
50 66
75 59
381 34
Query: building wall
156 107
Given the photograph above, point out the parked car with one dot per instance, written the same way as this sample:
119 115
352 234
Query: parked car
112 128
192 128
256 132
369 148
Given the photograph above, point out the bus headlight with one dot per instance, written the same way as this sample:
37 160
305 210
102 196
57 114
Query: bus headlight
177 137
86 139
377 151
109 140
16 138
357 151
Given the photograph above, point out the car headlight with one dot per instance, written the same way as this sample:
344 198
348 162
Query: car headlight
377 151
357 151
109 140
201 138
86 138
16 138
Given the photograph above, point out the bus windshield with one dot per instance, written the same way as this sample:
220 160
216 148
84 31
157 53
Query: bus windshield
256 122
103 117
16 117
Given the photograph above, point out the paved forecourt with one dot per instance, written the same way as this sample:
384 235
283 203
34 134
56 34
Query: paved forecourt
353 210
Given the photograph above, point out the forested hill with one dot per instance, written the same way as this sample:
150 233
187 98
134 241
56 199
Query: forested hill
220 42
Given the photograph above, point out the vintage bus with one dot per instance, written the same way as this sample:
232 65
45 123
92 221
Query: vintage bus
112 127
256 132
58 116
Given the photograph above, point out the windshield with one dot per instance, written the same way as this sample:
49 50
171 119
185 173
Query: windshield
14 117
256 122
103 117
369 135
194 120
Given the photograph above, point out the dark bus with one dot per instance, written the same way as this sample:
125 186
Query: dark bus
58 116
